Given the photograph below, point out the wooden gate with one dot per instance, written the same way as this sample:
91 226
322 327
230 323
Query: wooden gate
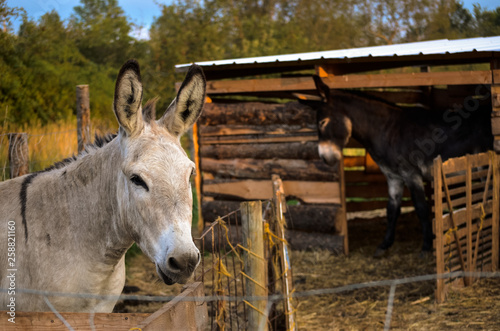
466 209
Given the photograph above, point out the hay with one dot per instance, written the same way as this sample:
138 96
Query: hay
475 307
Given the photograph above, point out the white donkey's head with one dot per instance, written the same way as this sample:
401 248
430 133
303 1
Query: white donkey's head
154 191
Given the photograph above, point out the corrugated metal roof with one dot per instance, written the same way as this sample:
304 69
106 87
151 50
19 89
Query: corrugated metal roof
443 46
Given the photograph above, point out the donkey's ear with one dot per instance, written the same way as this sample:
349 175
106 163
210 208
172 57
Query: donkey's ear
128 98
323 89
187 106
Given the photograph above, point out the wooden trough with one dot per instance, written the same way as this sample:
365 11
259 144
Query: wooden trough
178 314
252 128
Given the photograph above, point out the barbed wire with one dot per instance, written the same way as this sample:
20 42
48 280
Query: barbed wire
392 283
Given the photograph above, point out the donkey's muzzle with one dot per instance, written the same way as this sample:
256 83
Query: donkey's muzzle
179 267
329 154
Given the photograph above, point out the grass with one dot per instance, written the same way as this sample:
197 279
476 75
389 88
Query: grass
46 144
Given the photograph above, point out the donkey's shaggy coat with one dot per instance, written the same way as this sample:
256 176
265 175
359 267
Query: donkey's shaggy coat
75 221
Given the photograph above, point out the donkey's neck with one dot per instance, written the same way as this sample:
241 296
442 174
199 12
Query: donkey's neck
88 189
370 118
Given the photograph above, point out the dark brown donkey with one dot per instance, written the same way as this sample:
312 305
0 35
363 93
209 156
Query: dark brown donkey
403 143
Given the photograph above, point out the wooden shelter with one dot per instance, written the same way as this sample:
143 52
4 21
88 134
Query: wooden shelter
248 131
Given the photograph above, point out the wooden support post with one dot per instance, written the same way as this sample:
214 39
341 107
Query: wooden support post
495 213
341 215
254 263
495 103
438 228
18 154
286 268
468 216
82 116
197 179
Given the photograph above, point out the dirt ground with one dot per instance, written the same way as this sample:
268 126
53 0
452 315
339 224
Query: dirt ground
473 308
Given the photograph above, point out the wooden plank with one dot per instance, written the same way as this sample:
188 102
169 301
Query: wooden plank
187 311
40 321
351 81
455 165
460 217
309 192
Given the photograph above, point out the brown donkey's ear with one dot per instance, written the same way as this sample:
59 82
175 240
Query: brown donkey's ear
128 98
322 88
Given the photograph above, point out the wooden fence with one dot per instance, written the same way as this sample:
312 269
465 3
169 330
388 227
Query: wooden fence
246 259
182 313
466 209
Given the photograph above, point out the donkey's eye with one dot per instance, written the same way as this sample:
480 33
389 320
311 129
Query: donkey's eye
138 181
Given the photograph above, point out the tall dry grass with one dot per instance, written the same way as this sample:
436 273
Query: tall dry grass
47 144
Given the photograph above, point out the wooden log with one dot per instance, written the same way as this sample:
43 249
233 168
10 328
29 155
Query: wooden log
312 218
261 138
274 129
82 116
293 150
18 154
307 170
254 263
256 113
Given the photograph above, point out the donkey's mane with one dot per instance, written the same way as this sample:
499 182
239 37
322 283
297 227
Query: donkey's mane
99 141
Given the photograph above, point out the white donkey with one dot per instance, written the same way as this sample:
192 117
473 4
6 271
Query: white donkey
66 229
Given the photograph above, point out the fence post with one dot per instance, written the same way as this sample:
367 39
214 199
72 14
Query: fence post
254 262
18 154
82 116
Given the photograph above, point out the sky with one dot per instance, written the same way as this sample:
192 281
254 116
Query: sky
141 12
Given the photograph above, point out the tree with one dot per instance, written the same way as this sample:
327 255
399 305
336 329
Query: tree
101 31
488 22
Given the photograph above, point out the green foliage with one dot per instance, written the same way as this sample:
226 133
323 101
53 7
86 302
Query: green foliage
42 64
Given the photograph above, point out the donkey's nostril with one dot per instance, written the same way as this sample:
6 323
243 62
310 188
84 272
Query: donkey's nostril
174 264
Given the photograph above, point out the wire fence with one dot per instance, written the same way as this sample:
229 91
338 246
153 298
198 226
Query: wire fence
224 274
272 299
221 269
